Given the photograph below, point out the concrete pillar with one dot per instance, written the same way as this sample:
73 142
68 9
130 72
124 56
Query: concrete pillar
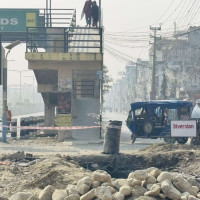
49 117
49 112
74 107
64 135
96 88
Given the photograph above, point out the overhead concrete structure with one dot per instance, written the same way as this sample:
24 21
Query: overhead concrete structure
66 64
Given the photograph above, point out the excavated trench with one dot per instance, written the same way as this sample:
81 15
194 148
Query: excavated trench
120 165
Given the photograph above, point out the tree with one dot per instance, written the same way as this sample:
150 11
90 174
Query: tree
107 80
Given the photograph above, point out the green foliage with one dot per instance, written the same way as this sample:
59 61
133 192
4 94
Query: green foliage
107 80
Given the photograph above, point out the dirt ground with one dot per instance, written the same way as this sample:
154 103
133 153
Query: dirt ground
35 163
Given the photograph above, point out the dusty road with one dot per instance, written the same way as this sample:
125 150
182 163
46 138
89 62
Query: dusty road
81 145
62 163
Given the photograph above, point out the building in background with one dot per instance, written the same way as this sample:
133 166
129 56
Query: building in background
177 68
134 85
29 101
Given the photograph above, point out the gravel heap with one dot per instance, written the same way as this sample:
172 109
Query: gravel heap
148 184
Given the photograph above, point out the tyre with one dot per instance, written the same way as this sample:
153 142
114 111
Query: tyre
148 127
169 140
182 140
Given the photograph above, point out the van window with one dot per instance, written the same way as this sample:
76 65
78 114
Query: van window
158 111
173 114
184 113
138 112
130 118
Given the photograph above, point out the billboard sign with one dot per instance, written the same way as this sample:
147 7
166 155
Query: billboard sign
16 20
183 128
64 103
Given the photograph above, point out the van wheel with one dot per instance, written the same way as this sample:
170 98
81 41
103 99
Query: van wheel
169 140
148 127
195 141
133 138
182 140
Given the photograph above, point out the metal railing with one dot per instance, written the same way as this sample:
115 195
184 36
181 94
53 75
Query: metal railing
57 17
68 39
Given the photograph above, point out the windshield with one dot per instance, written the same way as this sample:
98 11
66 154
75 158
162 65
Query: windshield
138 111
196 112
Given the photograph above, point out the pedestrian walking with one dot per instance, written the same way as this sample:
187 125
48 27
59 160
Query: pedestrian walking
87 10
95 14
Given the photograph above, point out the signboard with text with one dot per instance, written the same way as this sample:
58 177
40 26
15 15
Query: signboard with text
17 20
183 128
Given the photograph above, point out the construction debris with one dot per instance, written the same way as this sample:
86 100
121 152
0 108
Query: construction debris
148 184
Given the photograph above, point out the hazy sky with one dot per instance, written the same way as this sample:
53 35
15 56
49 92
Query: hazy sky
128 19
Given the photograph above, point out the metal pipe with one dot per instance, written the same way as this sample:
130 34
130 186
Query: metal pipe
33 90
47 13
4 70
50 14
20 92
100 13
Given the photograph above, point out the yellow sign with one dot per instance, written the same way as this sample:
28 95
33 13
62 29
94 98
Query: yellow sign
64 124
30 19
64 120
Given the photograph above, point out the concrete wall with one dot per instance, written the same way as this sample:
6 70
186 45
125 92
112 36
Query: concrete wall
87 115
63 56
71 68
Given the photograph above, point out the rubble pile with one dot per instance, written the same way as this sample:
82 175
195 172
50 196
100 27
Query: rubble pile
148 184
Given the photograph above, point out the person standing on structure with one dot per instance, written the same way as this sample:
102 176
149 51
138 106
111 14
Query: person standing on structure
87 10
95 14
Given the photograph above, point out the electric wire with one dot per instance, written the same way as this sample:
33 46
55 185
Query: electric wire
165 12
193 16
182 22
186 16
191 12
121 56
183 10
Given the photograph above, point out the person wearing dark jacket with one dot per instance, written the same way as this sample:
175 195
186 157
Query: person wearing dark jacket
95 14
87 11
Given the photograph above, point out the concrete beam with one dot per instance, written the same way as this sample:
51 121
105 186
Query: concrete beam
47 88
50 56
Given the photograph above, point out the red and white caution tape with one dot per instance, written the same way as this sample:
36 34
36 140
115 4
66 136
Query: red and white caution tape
51 128
58 127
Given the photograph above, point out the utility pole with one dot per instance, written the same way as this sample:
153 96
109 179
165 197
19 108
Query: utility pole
100 22
100 77
5 109
48 13
153 86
